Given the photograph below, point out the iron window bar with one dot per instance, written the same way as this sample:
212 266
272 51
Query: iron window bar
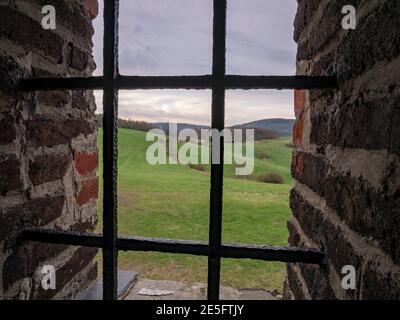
230 82
111 82
199 248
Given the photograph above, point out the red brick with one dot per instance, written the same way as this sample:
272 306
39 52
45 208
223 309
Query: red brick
299 101
298 131
86 162
93 8
89 190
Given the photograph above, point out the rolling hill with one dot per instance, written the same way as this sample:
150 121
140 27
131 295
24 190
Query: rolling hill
266 128
277 126
282 127
172 201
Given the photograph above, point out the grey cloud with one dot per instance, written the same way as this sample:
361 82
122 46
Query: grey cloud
174 37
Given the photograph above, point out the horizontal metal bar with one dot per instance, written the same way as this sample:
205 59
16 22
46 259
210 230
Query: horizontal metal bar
230 82
46 84
201 248
279 82
271 253
63 237
173 82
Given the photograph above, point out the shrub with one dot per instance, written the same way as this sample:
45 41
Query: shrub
197 167
263 155
270 177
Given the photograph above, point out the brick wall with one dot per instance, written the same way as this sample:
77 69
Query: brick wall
346 164
48 151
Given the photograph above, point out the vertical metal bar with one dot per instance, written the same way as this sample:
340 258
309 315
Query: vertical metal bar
110 110
218 119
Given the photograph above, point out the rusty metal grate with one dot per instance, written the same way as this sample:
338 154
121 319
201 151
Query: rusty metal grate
111 82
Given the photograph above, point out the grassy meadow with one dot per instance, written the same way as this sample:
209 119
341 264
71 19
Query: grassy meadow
172 201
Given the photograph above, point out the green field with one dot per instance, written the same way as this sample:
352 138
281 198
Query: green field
172 201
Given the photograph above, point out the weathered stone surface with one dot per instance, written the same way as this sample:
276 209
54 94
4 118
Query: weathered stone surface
309 170
378 284
22 30
359 124
24 261
10 174
10 72
44 132
394 144
377 39
77 59
372 214
325 30
328 237
317 281
80 101
352 206
37 212
315 276
39 72
73 16
84 227
294 282
294 239
305 11
48 167
8 130
38 138
79 260
355 200
54 98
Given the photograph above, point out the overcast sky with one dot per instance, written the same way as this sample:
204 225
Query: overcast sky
174 37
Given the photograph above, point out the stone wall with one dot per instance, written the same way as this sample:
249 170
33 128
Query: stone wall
346 163
48 150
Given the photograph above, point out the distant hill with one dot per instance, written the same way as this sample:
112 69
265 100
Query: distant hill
282 127
260 133
276 127
264 129
127 124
